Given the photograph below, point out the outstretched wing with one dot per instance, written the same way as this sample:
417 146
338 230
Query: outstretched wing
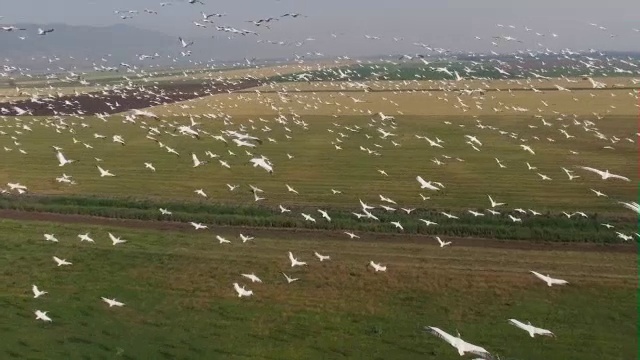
516 323
619 177
591 169
441 334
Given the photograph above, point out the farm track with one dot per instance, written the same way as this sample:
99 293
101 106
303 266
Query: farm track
128 99
292 234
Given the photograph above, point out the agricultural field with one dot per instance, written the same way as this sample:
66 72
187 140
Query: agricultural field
399 70
435 85
240 186
344 142
179 300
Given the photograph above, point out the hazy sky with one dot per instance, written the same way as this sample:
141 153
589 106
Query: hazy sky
445 24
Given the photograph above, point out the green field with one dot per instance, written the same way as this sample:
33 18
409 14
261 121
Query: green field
180 302
316 167
399 70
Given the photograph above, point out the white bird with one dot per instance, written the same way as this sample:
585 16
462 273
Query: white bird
85 237
42 315
324 214
532 330
149 166
50 237
450 216
475 213
294 261
104 172
308 217
241 290
252 277
37 292
598 193
116 240
112 302
428 222
460 345
604 174
246 238
322 257
365 206
289 279
493 203
43 32
624 237
442 243
200 192
184 43
352 235
283 209
426 185
165 211
634 206
514 219
549 280
377 267
196 161
62 160
61 262
290 189
527 148
222 240
262 162
198 226
397 225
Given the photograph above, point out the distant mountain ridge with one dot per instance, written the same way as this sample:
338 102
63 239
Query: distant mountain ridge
115 43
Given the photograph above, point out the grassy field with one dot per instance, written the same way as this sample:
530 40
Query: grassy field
350 170
392 70
410 102
560 126
180 303
402 85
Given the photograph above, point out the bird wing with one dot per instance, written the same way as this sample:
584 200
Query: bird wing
442 334
477 350
517 323
60 157
592 170
619 177
34 289
540 276
237 287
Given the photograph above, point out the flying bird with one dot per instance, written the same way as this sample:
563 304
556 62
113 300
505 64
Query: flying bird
37 292
549 280
604 174
532 330
462 346
112 302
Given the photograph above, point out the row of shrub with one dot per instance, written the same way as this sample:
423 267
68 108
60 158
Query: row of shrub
545 227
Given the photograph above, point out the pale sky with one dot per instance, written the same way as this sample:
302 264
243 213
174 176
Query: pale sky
444 24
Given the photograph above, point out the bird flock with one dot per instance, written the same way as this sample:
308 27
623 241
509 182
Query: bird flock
243 144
